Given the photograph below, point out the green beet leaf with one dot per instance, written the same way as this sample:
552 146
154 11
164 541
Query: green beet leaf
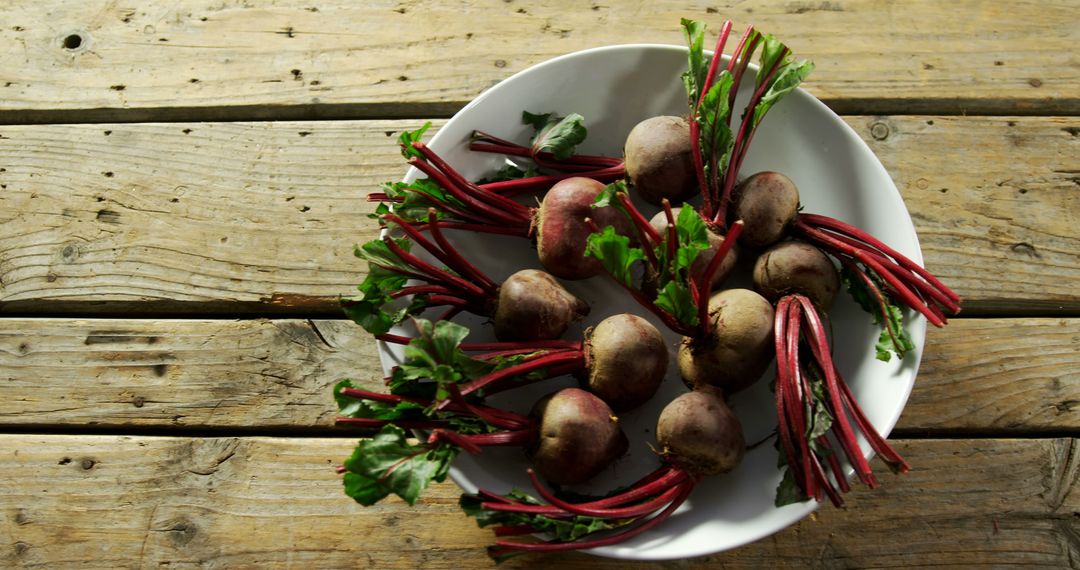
615 254
406 138
388 463
416 198
675 299
556 135
886 344
789 75
370 409
382 280
697 67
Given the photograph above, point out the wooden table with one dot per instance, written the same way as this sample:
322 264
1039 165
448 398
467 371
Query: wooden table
181 184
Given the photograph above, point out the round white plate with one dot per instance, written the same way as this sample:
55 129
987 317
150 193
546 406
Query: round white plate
837 175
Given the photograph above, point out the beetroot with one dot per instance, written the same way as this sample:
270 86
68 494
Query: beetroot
533 305
659 160
796 267
738 350
577 437
767 203
626 359
561 230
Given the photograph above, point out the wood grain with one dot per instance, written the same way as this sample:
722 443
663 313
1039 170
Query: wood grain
1004 376
137 502
242 218
209 60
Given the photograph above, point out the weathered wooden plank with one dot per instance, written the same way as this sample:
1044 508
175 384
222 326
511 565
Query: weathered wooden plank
1018 376
261 217
138 502
210 60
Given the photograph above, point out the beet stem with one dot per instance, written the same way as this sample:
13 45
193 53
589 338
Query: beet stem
924 288
639 510
561 357
903 293
695 127
648 235
509 546
467 187
845 434
517 231
403 424
461 265
489 212
529 345
742 141
434 273
705 279
861 235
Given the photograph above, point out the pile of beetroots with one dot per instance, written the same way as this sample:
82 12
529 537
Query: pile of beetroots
674 265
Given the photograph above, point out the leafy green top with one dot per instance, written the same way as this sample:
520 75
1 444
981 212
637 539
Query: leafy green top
391 462
556 135
387 274
667 265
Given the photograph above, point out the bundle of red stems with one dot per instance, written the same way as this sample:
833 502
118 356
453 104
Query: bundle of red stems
796 405
603 168
716 185
514 428
488 208
904 280
658 494
543 359
462 287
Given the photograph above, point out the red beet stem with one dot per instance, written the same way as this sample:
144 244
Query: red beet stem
491 213
799 396
662 478
644 228
742 142
695 126
785 432
925 288
360 394
861 235
473 443
485 142
888 454
461 265
516 231
704 281
652 505
902 292
433 273
506 546
521 185
879 300
403 424
557 358
845 434
466 186
527 345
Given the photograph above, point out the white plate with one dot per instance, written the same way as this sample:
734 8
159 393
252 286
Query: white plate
837 175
